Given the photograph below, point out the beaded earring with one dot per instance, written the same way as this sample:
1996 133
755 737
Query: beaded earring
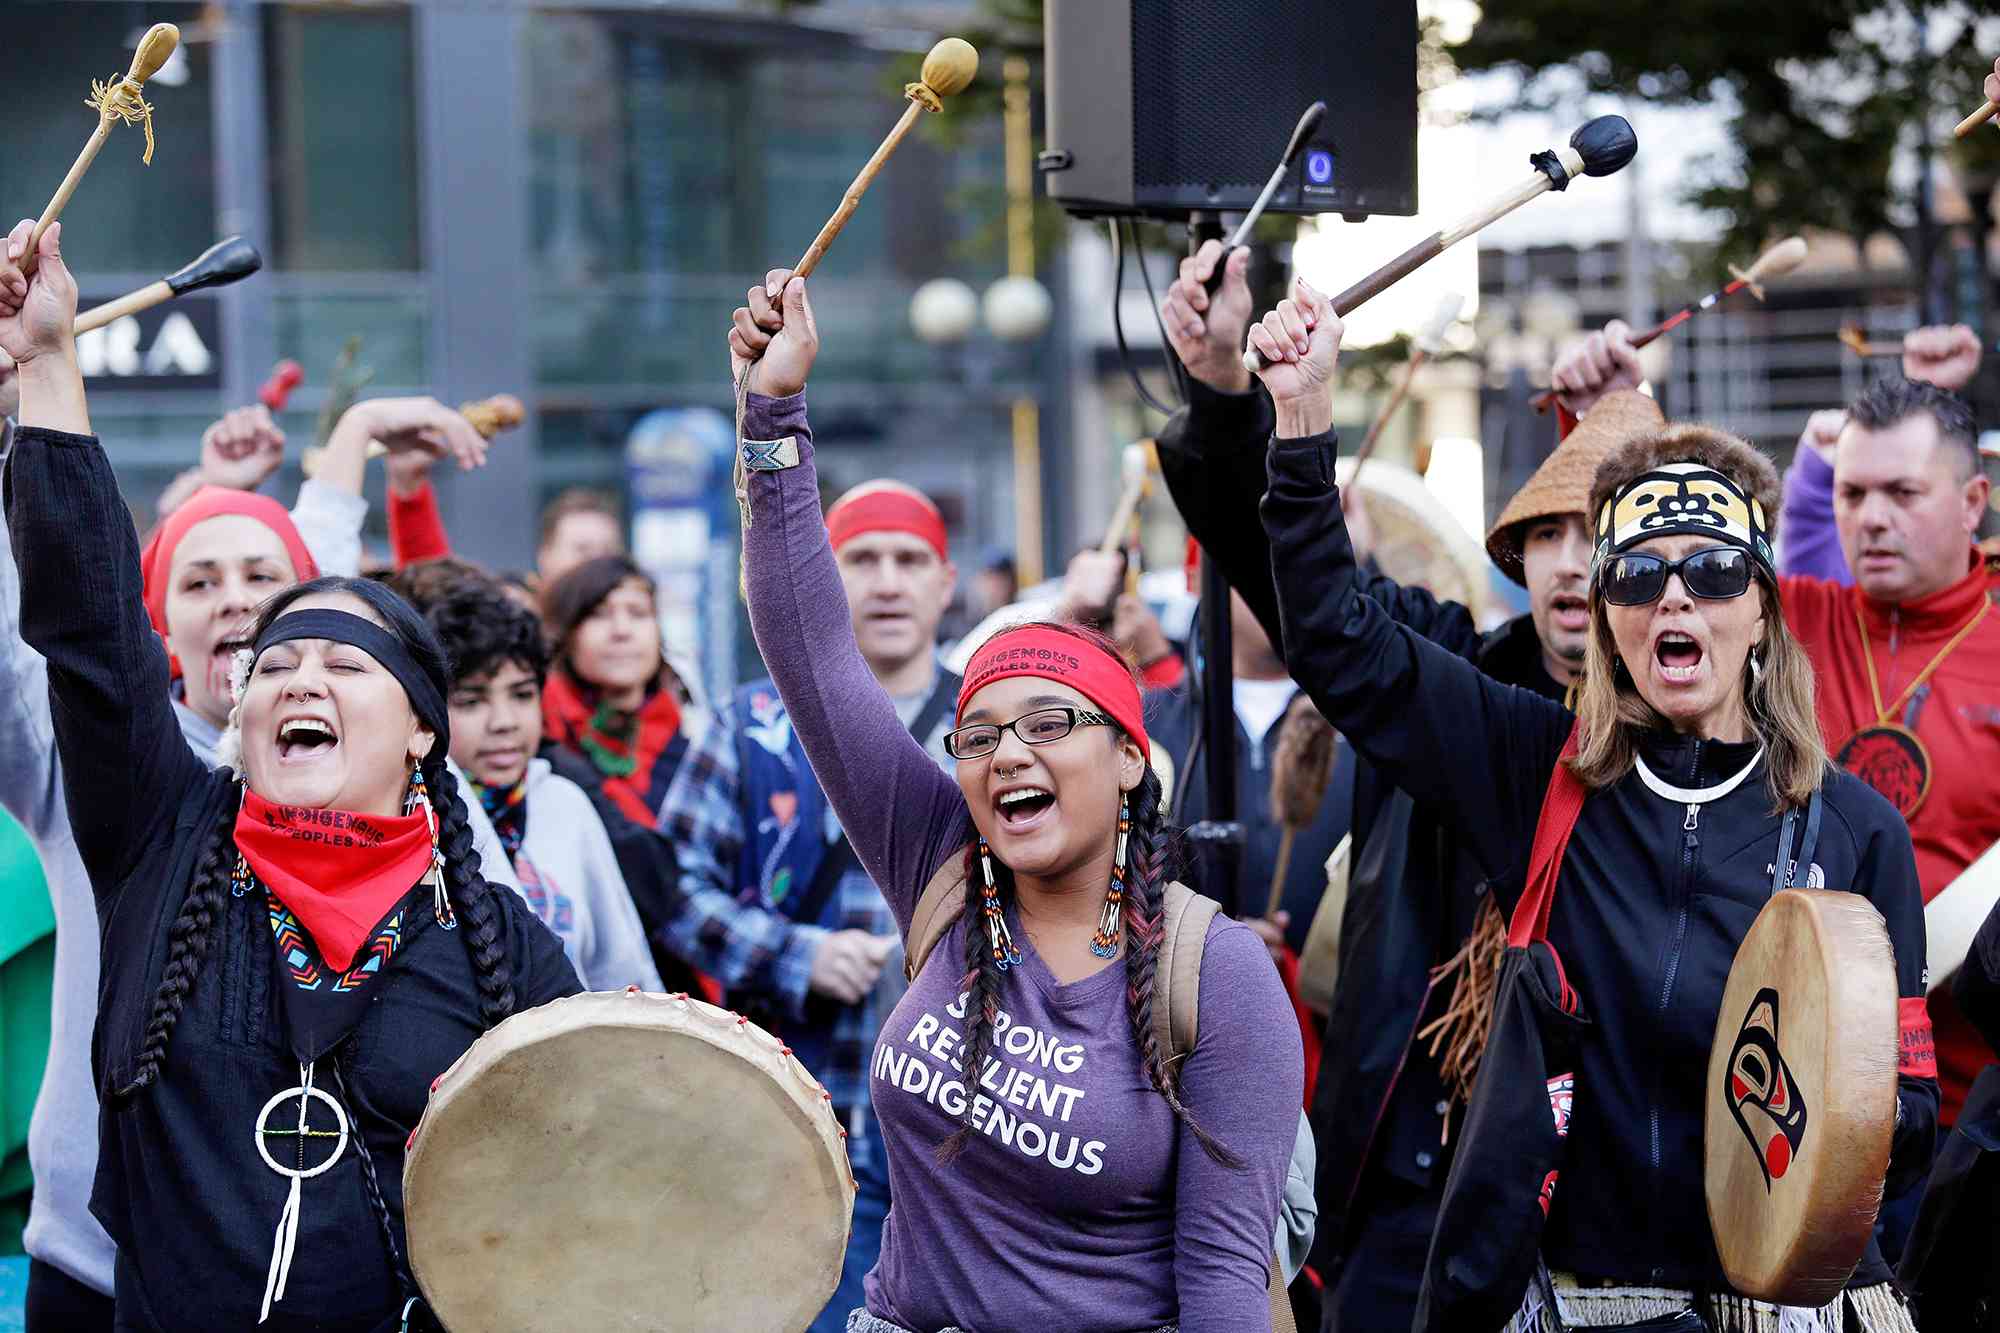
1005 955
420 798
1105 942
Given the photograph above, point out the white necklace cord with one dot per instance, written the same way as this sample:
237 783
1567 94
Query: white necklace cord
1659 786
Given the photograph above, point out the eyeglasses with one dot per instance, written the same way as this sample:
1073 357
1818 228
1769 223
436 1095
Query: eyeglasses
1714 573
1040 727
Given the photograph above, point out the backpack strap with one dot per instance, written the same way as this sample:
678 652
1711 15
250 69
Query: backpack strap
937 907
1177 975
1177 1013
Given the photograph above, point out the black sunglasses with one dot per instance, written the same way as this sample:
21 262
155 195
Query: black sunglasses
1040 727
1713 573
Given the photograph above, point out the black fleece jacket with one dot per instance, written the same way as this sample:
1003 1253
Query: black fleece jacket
1648 910
180 1185
1413 891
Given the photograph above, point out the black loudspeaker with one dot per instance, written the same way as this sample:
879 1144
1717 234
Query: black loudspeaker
1165 107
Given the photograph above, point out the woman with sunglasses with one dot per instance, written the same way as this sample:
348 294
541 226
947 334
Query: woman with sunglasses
294 945
1695 736
1084 1182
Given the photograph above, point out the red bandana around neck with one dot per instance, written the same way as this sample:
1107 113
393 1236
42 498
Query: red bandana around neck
1036 650
340 873
623 747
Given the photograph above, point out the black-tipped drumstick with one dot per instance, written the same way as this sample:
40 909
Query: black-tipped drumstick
1598 148
1300 134
224 262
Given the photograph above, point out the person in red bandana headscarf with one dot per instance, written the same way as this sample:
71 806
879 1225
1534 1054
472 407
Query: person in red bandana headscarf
1091 1182
294 946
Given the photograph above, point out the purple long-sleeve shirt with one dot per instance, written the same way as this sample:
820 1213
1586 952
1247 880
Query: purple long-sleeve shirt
1080 1203
1808 541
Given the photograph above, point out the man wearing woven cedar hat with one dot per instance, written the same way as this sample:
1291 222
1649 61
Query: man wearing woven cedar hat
1401 1052
775 905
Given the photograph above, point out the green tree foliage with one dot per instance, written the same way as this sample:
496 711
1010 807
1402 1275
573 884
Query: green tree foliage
1827 97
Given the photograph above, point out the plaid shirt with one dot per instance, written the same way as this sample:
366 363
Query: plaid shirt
721 926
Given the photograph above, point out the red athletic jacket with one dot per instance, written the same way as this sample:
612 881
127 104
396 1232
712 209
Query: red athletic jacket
1956 715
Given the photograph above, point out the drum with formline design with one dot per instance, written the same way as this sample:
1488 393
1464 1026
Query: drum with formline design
1800 1098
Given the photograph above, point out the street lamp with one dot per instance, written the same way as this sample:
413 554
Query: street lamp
943 311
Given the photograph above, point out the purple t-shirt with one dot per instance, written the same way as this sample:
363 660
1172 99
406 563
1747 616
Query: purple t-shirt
1079 1203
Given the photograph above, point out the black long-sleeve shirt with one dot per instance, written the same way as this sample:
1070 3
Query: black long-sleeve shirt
1648 911
180 1185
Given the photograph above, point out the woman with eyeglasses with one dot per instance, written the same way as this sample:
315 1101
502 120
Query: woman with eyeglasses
1695 736
1049 1166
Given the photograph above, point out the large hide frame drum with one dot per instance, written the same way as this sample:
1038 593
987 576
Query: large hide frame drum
1800 1098
629 1161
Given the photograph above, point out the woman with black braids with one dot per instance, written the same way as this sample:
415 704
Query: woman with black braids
1086 1182
293 946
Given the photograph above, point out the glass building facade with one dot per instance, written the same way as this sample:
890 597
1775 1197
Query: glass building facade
558 201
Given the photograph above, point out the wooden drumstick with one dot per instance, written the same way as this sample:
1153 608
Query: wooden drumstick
1775 262
1422 348
1134 465
947 70
119 100
1976 119
226 261
1855 339
488 416
1597 148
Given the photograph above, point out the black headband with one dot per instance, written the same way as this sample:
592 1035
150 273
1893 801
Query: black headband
344 627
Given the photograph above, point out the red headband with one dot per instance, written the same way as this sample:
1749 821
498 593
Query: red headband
881 508
157 560
1036 650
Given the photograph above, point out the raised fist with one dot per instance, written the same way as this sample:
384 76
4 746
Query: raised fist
1207 332
774 335
1602 363
242 449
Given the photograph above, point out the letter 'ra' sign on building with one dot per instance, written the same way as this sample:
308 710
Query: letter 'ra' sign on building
172 346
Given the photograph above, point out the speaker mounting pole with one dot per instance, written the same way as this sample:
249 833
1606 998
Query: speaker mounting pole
1218 838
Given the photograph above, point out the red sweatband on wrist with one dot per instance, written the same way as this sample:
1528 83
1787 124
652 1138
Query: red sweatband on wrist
1036 650
1916 1052
886 506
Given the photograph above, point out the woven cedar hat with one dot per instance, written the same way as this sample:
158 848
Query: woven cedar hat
1561 485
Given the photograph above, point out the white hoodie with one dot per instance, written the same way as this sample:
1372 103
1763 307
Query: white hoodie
570 876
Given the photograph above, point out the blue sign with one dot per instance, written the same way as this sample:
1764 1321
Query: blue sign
679 464
1319 167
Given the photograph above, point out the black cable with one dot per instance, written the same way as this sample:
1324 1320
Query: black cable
1118 323
1175 370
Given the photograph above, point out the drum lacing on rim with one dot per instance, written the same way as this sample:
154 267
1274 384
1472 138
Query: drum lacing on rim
720 1018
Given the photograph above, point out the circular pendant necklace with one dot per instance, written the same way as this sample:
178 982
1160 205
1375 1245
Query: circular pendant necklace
1886 755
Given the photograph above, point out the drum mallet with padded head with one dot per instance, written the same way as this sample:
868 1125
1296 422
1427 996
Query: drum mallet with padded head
1775 262
948 69
1300 133
1598 148
226 261
117 101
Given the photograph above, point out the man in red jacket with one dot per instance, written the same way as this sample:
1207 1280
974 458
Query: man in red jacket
1907 659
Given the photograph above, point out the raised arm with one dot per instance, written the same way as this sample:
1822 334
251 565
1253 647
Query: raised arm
1212 455
1808 543
1437 726
29 789
902 815
125 766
